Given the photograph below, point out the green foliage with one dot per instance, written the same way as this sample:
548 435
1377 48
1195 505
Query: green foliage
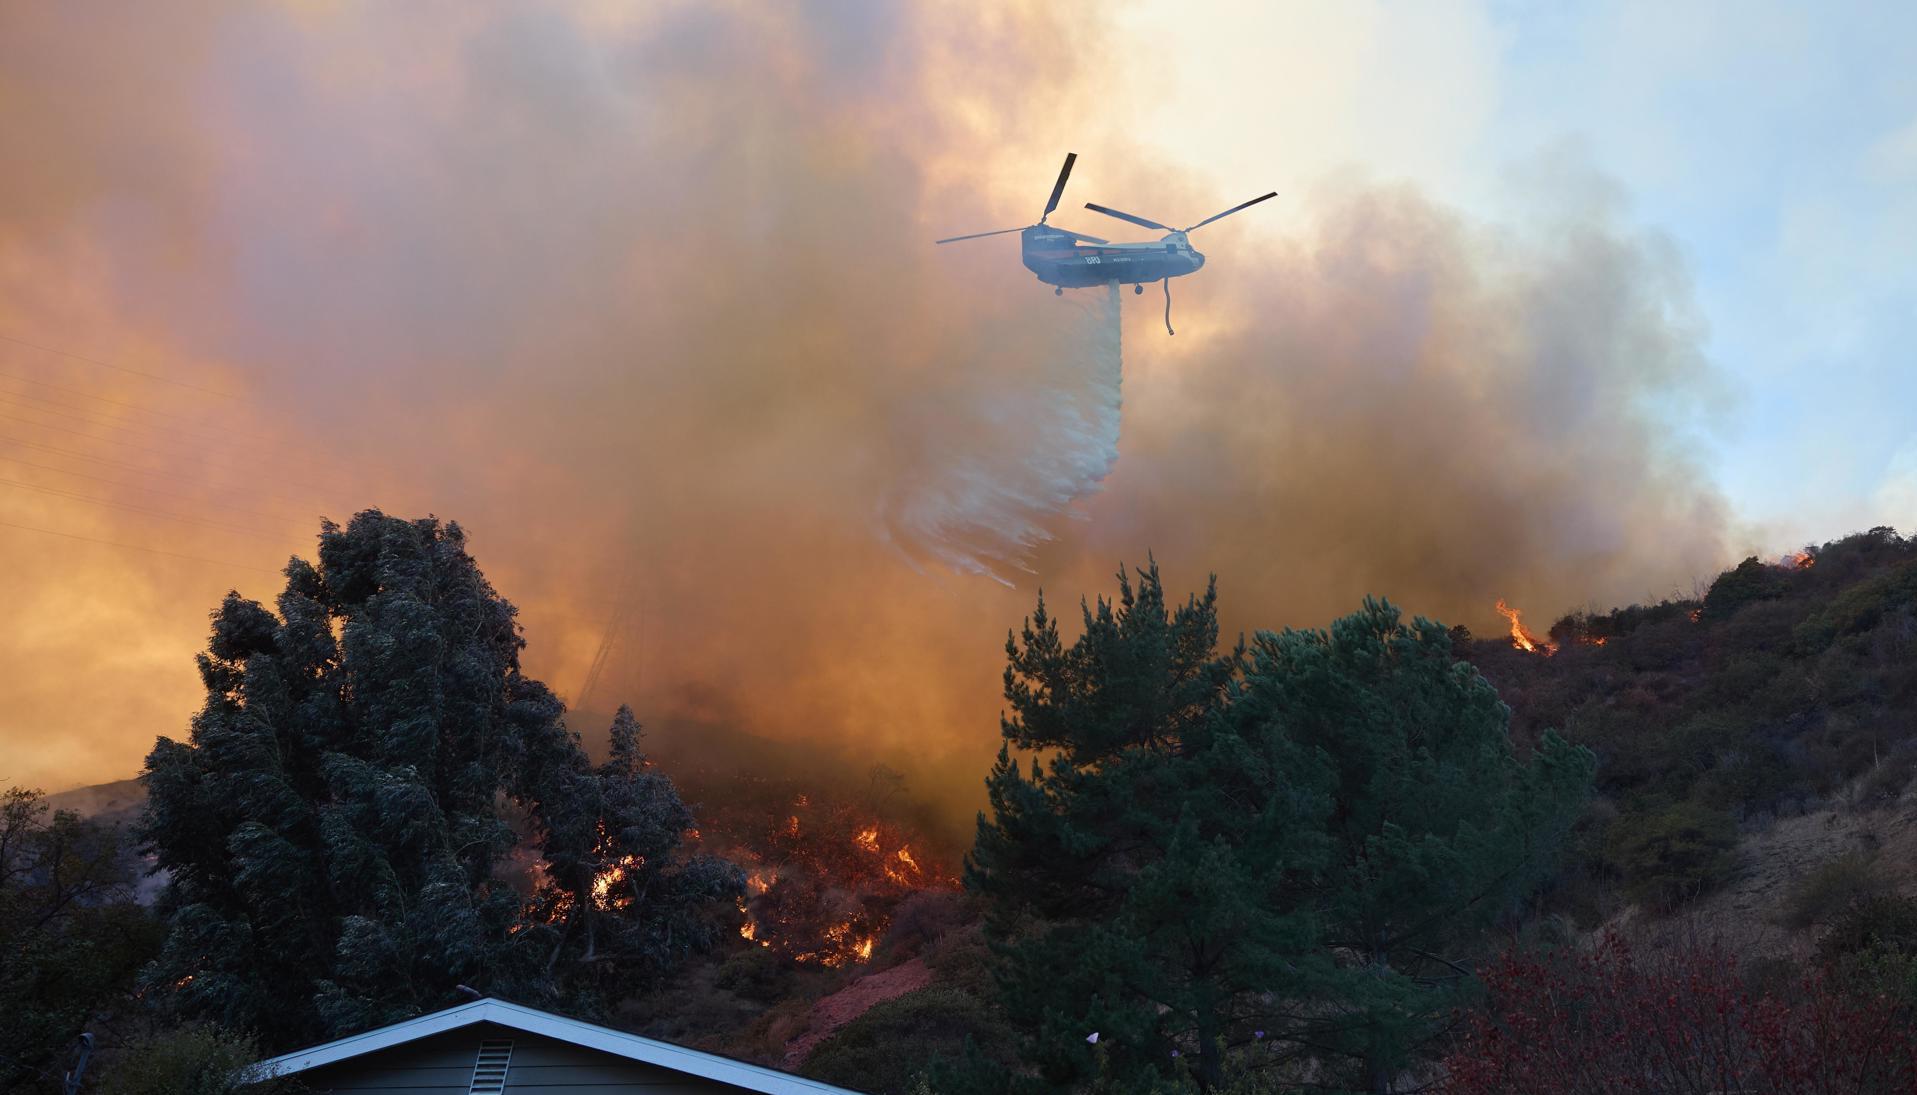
1746 583
1832 888
71 938
1870 947
1795 682
1227 851
1670 854
886 1049
336 826
1860 607
1434 825
1874 922
195 1059
757 973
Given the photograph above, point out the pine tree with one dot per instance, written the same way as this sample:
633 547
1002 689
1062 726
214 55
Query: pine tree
1435 825
1140 881
337 826
1229 858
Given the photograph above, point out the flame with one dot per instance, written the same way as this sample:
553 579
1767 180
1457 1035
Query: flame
1520 636
844 947
1797 560
792 826
603 883
1695 613
869 840
561 906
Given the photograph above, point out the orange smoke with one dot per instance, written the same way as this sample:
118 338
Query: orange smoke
1521 636
711 446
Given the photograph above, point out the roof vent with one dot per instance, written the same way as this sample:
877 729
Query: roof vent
489 1069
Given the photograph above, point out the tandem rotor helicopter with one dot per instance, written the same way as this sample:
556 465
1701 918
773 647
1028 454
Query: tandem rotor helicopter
1059 260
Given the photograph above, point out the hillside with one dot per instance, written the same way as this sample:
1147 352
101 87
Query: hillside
1755 746
1789 690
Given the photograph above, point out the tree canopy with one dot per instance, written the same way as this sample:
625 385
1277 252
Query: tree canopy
71 937
1241 858
339 826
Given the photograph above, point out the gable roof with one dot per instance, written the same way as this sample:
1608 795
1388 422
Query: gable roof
711 1066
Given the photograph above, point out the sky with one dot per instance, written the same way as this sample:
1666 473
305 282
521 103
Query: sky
1569 305
1775 145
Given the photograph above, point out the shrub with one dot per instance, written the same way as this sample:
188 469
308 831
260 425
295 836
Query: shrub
1832 888
197 1059
1748 582
1667 856
760 974
1684 1023
1875 923
885 1050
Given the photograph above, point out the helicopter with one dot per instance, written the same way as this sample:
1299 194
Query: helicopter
1061 258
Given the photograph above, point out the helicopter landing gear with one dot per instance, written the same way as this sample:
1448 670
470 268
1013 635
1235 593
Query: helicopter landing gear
1138 289
1058 290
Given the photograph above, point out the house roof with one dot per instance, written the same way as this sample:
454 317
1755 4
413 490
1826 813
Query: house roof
532 1021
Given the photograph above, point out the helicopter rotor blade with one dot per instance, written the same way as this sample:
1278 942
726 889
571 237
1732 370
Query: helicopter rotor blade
1079 236
981 235
1058 188
1229 212
1128 217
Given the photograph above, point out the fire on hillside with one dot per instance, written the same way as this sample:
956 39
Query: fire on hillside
1521 636
823 875
822 880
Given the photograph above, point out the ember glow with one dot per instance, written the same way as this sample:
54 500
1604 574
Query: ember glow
1521 637
823 879
607 893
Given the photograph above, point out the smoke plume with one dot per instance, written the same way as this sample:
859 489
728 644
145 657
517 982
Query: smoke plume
648 303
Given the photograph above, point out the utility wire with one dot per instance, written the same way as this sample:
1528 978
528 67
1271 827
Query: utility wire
96 397
136 547
287 498
189 429
170 515
162 453
182 495
30 402
111 365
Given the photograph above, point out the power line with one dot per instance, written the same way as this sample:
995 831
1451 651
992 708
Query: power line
165 433
190 430
182 495
136 547
162 453
29 401
111 365
74 496
287 498
94 396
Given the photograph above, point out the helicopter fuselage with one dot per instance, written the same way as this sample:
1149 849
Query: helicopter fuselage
1059 259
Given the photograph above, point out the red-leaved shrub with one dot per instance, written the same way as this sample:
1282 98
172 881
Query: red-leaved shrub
1610 1020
